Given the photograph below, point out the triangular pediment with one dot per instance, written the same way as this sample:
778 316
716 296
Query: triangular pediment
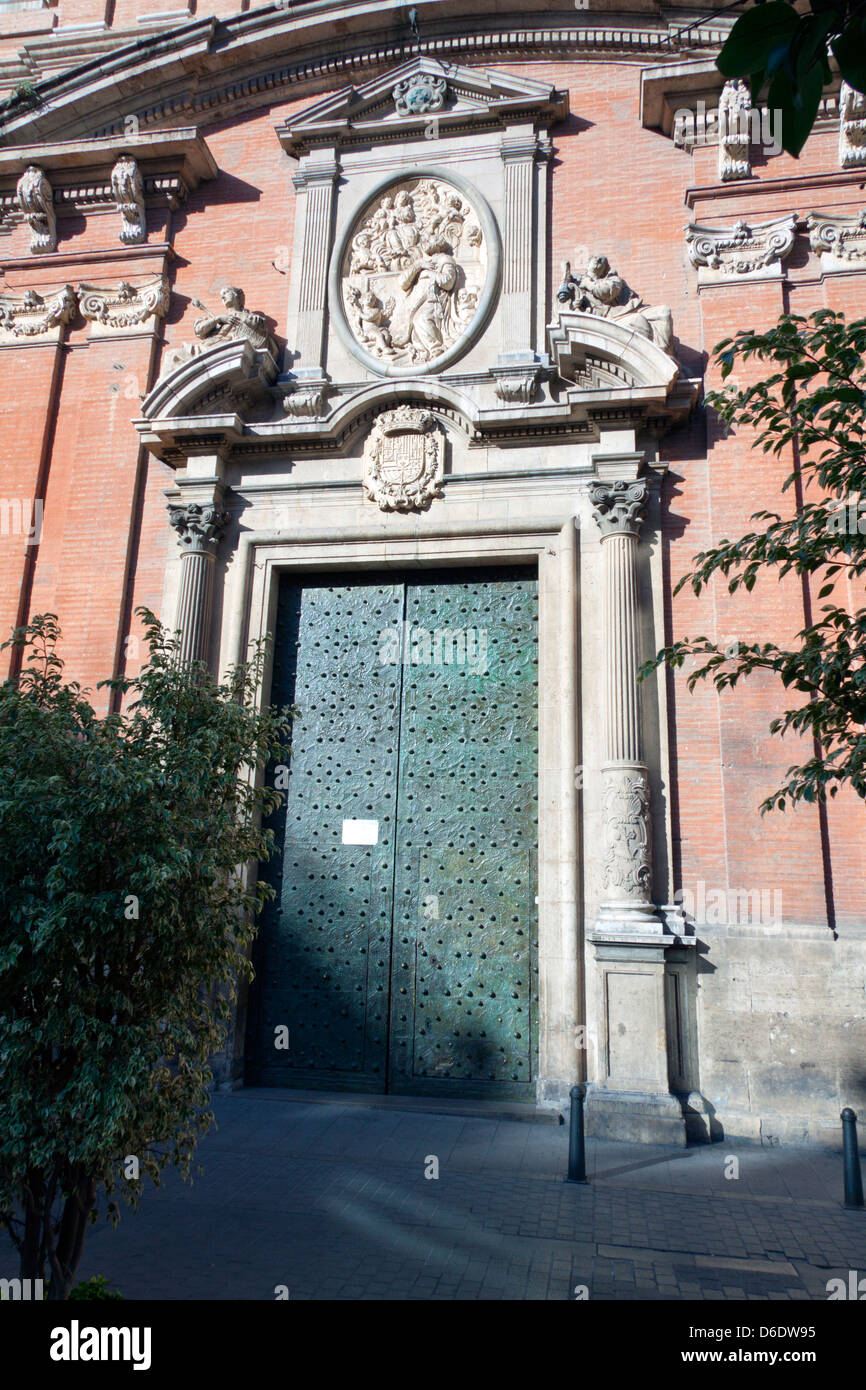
407 98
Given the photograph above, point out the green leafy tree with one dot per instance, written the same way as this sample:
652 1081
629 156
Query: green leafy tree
813 403
784 49
125 923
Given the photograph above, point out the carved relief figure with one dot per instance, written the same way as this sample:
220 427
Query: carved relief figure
599 290
414 271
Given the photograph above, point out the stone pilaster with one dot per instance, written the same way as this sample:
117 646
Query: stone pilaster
200 528
518 149
314 184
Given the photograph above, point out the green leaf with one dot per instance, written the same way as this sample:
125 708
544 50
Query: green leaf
798 107
849 50
756 36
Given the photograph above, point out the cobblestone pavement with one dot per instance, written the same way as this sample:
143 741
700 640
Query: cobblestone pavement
331 1200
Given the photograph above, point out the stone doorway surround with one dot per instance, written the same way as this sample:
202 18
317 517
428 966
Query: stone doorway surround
612 964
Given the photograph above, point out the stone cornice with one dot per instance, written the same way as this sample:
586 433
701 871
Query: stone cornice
200 68
681 86
797 185
83 174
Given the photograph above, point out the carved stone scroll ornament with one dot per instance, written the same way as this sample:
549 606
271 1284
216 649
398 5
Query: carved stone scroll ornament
404 460
627 866
306 402
30 316
842 237
413 272
420 94
735 105
517 387
36 201
742 248
600 291
124 305
235 324
127 185
852 127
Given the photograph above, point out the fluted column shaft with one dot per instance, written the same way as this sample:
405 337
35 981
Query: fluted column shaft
199 531
627 870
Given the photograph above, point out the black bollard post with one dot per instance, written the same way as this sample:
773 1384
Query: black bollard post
576 1147
853 1176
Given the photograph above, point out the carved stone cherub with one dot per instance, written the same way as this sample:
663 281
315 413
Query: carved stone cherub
600 291
373 319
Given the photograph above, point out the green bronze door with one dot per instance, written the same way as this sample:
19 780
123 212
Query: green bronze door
400 951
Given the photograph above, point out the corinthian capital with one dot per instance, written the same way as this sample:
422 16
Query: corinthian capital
619 506
199 528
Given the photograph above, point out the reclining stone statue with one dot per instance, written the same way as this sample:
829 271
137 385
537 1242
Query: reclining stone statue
236 323
600 291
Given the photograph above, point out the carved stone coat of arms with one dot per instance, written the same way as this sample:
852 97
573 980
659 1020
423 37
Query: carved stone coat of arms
404 460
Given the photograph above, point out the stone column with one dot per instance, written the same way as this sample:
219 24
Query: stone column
200 528
630 1097
618 508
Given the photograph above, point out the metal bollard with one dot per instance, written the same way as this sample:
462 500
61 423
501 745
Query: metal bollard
576 1147
853 1176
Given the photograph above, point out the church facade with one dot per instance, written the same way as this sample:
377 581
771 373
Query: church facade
385 333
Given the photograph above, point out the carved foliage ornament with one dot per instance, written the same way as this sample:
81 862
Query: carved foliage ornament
735 105
627 868
741 248
127 186
404 460
843 237
30 315
852 127
36 202
124 306
619 507
199 528
413 272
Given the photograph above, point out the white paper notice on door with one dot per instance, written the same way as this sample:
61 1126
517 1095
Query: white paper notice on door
360 832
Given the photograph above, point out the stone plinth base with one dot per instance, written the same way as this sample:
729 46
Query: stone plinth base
634 1117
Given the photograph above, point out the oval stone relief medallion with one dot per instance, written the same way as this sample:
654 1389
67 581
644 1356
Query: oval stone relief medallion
414 281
